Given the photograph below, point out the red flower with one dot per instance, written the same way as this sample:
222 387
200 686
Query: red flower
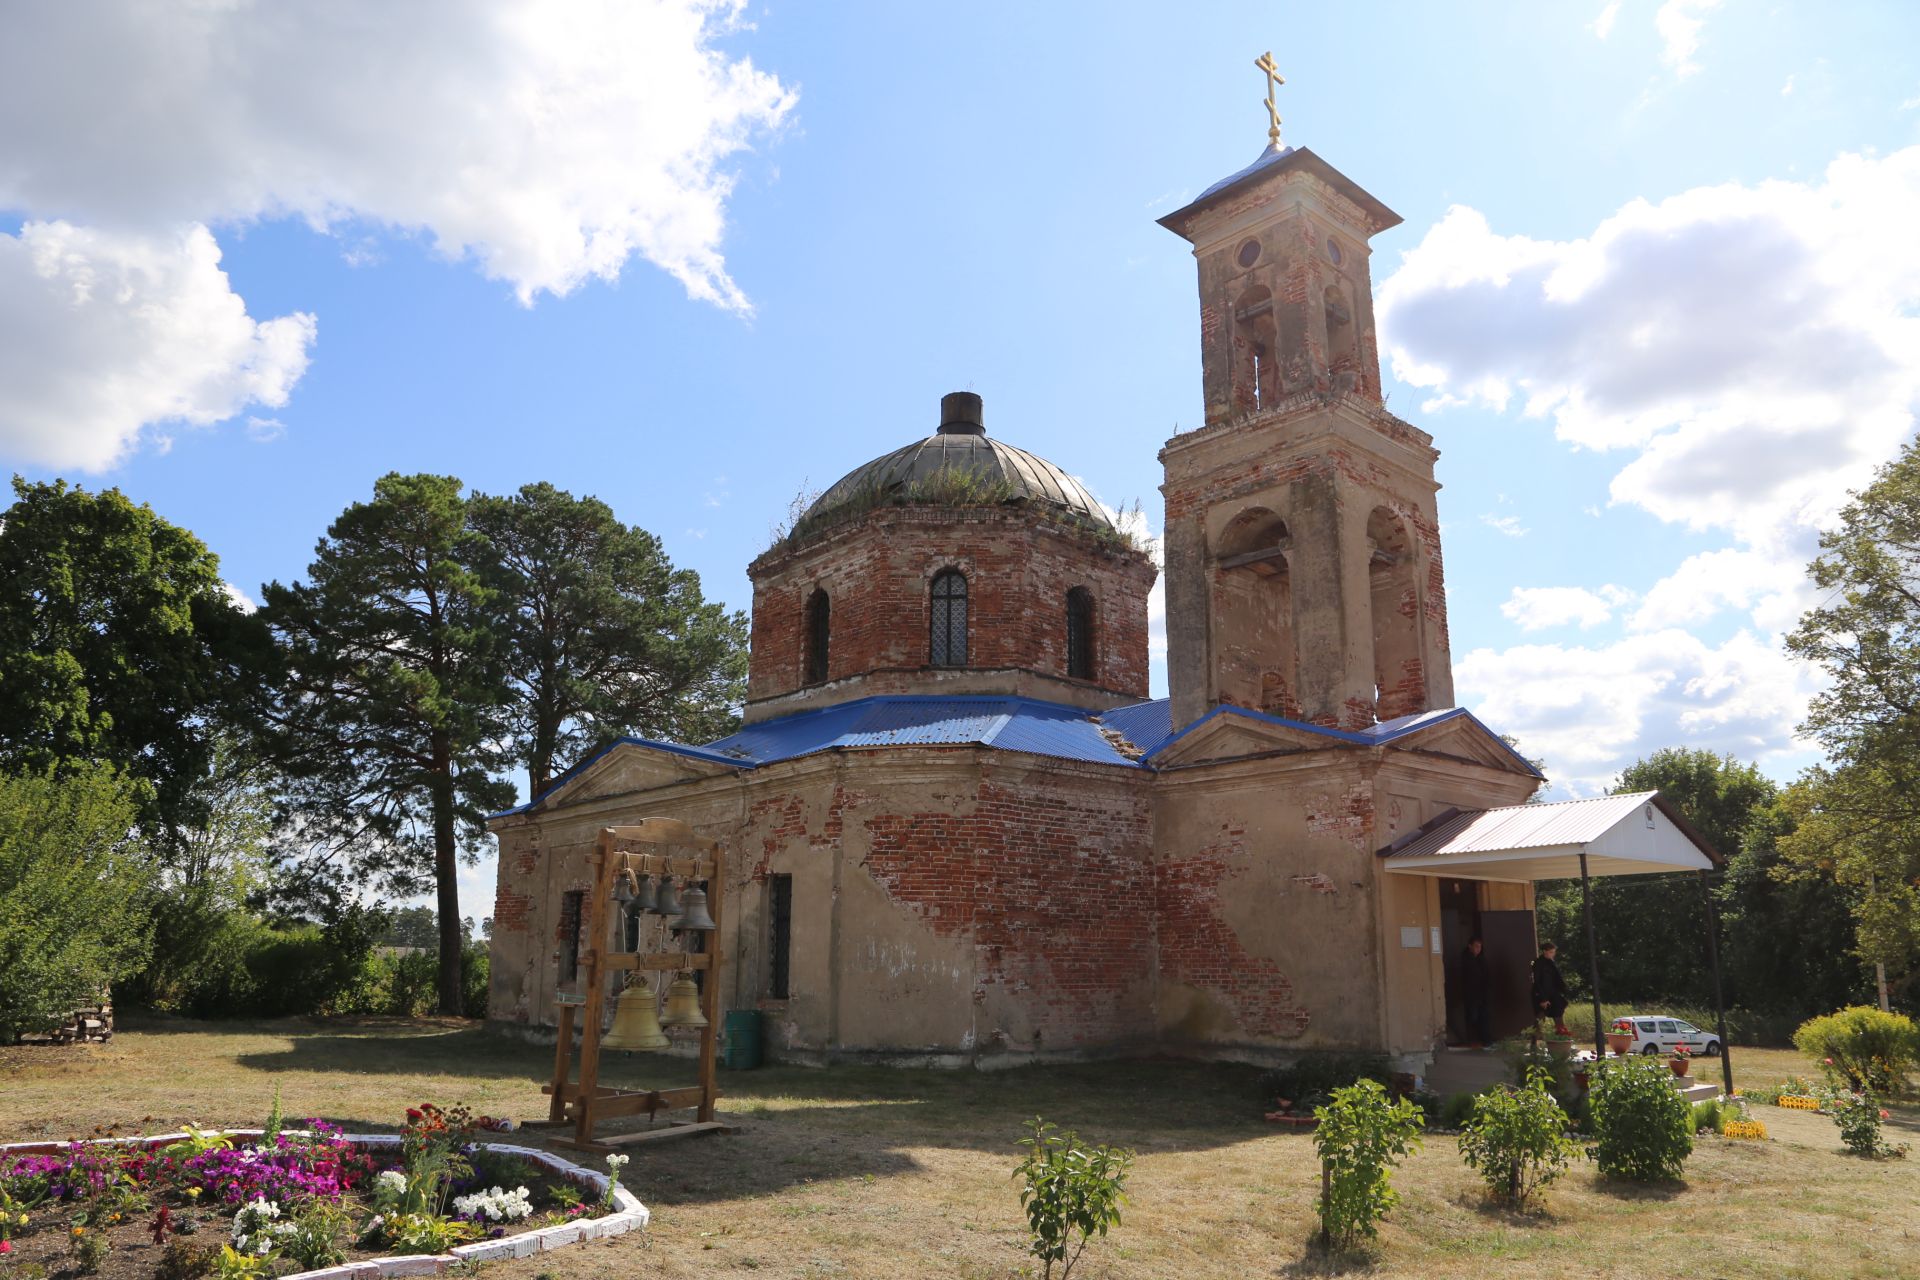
6 1246
1883 1114
414 1113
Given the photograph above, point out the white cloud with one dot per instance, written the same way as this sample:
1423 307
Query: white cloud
1679 23
1508 525
1538 608
547 145
241 600
1602 25
1786 90
1751 353
1591 711
103 333
265 430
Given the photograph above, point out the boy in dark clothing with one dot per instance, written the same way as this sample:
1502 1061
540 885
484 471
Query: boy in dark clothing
1550 990
1474 987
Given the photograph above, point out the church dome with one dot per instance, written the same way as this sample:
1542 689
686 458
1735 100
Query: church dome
958 465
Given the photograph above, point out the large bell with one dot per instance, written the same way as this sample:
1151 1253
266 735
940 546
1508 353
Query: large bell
683 1004
693 912
667 903
636 1020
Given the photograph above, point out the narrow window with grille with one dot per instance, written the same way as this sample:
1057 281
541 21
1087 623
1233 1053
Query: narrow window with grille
949 619
571 923
780 934
819 629
1080 633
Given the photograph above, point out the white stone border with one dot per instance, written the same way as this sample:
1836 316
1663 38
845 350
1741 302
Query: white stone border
628 1215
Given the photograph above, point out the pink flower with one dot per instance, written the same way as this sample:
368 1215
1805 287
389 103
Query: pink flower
6 1246
1883 1114
1828 1061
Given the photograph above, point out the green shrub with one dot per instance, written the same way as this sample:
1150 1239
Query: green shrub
1310 1079
1456 1108
185 1260
1361 1136
1867 1049
1517 1139
74 888
319 1235
1858 1117
1642 1126
1708 1116
1071 1192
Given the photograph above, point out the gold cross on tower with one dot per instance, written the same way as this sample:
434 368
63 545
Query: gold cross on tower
1265 63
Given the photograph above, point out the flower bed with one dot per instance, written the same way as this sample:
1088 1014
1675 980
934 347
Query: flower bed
316 1202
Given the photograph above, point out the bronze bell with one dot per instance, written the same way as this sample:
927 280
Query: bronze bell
668 901
636 1020
644 900
693 912
683 1004
623 886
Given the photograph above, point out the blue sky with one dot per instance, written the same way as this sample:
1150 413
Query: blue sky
1654 295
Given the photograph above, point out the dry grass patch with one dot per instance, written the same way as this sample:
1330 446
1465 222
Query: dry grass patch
869 1173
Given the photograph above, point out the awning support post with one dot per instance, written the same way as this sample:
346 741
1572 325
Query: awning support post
1713 962
1593 959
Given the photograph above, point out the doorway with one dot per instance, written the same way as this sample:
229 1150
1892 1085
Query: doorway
1459 922
1507 941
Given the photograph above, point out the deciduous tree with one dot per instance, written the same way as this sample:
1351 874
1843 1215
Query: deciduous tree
119 644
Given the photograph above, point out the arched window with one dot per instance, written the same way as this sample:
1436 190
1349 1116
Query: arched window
1080 633
948 617
819 626
1399 676
1255 662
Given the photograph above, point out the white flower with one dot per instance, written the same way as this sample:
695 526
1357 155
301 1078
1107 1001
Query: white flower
496 1205
616 1163
392 1180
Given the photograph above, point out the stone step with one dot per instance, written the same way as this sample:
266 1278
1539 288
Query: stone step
1694 1090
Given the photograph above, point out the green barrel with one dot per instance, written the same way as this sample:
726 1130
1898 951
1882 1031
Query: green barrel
742 1049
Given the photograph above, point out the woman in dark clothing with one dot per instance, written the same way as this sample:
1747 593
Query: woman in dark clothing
1474 986
1550 990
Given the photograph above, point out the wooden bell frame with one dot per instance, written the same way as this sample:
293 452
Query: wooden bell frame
586 1104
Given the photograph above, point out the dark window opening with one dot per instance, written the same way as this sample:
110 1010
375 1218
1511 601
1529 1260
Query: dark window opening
948 646
819 628
780 918
1080 633
571 924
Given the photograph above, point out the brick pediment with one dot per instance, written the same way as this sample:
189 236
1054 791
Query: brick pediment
1229 734
626 768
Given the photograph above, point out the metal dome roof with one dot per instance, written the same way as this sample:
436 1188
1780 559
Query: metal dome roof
961 445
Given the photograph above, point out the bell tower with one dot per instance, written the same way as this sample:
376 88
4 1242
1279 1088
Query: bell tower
1303 561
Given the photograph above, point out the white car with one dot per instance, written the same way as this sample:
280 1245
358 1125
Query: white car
1663 1035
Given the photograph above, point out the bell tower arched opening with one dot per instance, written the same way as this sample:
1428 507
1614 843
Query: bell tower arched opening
1256 349
1399 671
1255 663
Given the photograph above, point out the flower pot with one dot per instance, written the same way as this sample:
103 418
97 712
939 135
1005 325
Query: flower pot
1619 1043
1560 1046
1679 1065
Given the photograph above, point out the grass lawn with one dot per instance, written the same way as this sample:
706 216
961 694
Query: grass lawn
865 1172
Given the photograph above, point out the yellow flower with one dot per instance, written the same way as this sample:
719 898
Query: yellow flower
79 1231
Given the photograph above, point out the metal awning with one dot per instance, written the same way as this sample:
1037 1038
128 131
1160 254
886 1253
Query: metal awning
1622 835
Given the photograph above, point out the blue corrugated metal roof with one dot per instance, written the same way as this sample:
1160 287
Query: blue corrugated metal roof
1004 724
1007 724
1145 724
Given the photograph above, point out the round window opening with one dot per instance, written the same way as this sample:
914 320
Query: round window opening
1333 250
1249 253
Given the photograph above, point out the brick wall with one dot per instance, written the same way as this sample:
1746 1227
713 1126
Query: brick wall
878 570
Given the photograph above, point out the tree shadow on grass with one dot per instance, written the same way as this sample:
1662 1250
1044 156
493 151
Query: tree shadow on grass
1620 1189
1317 1259
1532 1218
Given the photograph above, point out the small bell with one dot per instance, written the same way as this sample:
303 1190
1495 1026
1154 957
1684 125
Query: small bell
668 901
636 1020
623 887
693 912
644 902
683 1004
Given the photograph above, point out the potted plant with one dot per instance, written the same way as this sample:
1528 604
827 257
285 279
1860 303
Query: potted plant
1679 1060
1620 1036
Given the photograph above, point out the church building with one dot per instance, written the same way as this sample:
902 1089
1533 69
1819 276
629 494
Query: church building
960 831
